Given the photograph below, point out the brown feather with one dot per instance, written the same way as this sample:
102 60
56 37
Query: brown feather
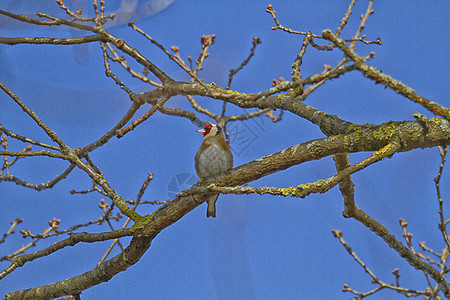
212 158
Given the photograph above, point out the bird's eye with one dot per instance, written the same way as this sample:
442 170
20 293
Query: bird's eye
207 129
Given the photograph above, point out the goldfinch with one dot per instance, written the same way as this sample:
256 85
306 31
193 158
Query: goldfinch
213 157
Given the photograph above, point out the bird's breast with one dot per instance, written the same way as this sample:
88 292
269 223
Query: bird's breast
212 161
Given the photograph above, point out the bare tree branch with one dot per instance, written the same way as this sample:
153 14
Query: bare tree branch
342 138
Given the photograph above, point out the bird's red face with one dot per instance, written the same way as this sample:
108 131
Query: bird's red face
206 129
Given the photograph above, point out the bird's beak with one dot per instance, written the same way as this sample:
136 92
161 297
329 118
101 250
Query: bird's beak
201 130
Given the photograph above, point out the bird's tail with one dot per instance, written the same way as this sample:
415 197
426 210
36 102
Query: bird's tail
211 201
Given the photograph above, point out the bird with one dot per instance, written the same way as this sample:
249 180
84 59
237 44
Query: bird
212 158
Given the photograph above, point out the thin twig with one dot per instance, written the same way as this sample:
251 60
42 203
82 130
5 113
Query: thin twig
26 139
113 76
270 10
387 80
362 25
123 63
74 239
111 133
345 18
381 285
38 121
299 59
207 41
158 105
11 229
437 179
40 186
256 42
179 63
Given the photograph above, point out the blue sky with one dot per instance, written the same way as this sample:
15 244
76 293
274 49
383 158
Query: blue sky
258 247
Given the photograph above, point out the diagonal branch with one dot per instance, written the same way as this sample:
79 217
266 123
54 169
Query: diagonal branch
52 41
74 239
380 77
120 133
54 22
442 223
180 63
413 259
111 133
150 226
256 42
101 273
345 18
30 113
25 139
303 190
40 186
299 59
375 280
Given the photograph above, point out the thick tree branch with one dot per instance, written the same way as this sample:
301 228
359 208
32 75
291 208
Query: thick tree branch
410 135
343 137
405 136
346 186
101 273
303 190
261 100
